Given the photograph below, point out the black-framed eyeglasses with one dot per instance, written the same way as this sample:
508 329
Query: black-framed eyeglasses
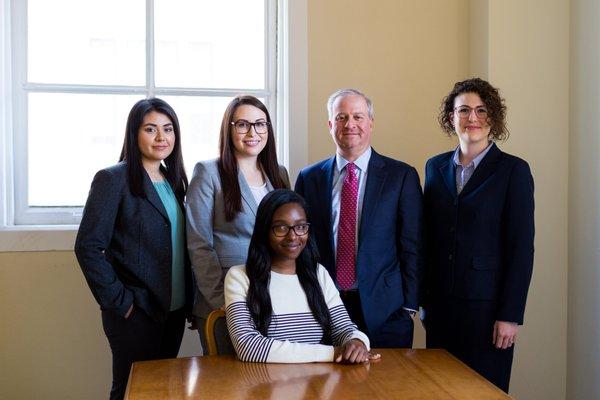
283 230
464 112
242 126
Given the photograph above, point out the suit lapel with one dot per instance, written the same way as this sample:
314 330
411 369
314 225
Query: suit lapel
483 171
324 183
152 196
376 176
246 193
448 171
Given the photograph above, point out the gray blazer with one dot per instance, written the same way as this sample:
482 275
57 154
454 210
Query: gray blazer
214 244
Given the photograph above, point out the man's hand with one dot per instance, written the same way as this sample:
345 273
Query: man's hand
353 352
505 334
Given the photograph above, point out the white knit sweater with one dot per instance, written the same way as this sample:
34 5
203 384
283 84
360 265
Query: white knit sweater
294 335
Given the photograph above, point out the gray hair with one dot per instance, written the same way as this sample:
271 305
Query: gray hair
348 92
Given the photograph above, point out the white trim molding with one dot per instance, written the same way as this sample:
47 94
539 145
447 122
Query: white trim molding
289 93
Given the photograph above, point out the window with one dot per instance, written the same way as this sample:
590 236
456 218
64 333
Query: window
78 67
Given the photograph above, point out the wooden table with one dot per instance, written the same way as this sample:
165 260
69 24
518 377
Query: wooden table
399 374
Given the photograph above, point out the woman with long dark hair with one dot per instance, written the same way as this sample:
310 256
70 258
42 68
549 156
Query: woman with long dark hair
131 242
283 306
222 201
479 220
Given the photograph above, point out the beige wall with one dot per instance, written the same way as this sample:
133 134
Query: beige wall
583 362
405 55
52 346
528 57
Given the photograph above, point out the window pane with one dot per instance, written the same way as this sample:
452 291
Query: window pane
87 42
200 120
71 137
207 43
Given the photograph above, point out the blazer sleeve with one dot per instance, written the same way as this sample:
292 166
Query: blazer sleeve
519 235
199 222
428 249
94 236
251 345
410 239
299 186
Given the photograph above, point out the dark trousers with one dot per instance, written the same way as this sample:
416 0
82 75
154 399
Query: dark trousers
140 338
465 329
396 332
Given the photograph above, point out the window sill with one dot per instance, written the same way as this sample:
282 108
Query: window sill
37 238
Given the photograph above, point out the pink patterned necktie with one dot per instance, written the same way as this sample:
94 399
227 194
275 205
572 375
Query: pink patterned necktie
346 243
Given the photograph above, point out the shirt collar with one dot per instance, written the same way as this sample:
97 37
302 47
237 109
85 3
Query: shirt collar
475 162
361 162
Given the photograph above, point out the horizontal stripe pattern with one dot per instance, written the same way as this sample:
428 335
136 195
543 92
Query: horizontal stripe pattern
294 336
251 345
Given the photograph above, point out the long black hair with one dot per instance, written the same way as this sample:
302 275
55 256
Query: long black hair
173 168
258 266
227 163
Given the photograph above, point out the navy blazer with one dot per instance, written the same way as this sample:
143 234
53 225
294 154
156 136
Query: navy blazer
480 242
388 261
124 246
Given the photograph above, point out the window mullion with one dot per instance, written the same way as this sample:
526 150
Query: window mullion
91 89
150 67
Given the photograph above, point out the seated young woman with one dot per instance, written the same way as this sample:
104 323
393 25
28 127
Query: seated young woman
283 306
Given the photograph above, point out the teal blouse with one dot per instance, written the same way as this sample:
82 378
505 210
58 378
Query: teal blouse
177 220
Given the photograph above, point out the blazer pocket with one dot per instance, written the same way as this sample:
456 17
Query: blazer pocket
484 263
482 281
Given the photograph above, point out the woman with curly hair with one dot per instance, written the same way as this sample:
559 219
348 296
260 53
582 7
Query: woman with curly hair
479 235
282 306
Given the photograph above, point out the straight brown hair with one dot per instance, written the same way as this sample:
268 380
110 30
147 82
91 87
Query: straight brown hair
227 163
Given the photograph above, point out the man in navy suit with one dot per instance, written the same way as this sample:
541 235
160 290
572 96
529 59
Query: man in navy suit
367 214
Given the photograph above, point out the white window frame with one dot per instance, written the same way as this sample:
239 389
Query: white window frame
283 94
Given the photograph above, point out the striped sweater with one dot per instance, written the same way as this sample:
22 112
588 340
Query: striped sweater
294 335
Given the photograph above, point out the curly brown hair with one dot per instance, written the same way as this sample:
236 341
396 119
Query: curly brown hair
490 97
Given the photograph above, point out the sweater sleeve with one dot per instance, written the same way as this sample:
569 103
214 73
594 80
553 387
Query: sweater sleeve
251 345
343 329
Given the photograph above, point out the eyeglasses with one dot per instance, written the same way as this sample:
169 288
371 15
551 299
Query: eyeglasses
465 111
242 126
283 230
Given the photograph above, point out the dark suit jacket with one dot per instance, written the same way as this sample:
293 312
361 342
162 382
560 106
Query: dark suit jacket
388 262
480 242
124 246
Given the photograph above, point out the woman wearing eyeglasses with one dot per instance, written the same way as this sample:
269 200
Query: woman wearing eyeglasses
282 306
222 200
479 216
